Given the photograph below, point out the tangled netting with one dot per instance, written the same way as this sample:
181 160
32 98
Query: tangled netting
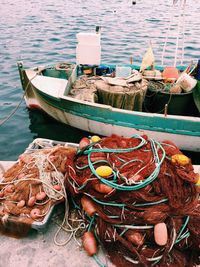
31 187
144 189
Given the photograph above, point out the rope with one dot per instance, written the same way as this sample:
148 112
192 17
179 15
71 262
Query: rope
141 184
18 105
167 37
122 209
180 28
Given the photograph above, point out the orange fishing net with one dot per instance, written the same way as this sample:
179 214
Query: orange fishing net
145 190
31 187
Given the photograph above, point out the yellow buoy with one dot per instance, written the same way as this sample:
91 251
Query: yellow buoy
180 159
95 138
198 181
104 171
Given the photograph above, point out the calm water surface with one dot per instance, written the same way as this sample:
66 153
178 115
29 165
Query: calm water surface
44 32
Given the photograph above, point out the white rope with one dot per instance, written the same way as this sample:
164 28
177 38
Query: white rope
177 37
183 34
180 30
167 35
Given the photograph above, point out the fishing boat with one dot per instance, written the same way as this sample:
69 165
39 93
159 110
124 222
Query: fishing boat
161 102
50 88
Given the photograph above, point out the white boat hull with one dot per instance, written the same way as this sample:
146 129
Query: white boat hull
190 143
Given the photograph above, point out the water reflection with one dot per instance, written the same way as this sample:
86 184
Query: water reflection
43 126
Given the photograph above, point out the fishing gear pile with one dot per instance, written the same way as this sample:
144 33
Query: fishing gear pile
140 199
31 187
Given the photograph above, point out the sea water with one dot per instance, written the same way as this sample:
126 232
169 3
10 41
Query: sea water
44 32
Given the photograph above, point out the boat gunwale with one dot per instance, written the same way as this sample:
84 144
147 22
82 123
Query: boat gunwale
105 106
136 114
121 123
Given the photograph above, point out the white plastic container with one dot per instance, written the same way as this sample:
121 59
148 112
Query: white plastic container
122 71
88 54
88 50
89 38
186 82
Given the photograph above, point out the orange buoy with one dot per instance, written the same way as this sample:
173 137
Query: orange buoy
41 196
170 74
21 203
88 206
57 187
180 159
35 213
31 201
89 243
160 234
84 142
102 188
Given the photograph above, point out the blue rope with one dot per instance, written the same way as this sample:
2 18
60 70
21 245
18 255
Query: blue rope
91 223
143 183
181 236
98 261
151 203
107 203
86 166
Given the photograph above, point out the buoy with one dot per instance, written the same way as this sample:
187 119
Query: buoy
160 234
95 138
180 159
21 203
88 206
31 201
84 142
103 188
57 187
170 74
41 196
104 171
35 213
89 243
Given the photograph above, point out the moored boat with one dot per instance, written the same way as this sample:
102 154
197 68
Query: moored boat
51 89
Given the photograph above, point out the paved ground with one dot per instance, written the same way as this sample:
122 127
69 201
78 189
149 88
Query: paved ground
38 249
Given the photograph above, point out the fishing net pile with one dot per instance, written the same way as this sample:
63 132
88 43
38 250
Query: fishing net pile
30 188
140 200
84 89
124 93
